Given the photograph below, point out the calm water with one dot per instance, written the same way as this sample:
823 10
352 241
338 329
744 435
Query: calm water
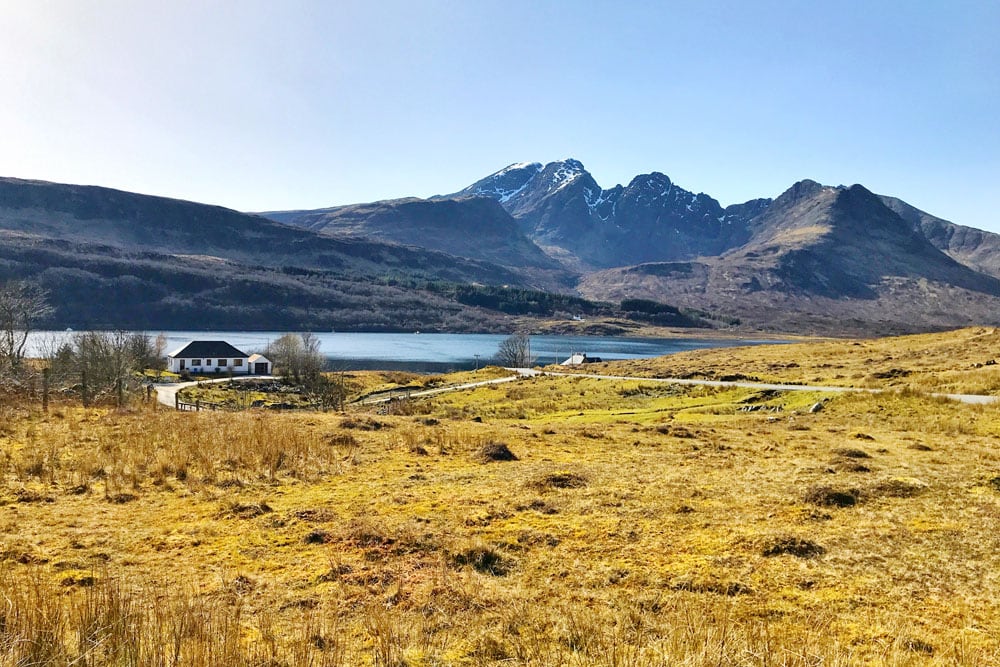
432 352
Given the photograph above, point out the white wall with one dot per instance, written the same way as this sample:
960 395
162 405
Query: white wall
174 366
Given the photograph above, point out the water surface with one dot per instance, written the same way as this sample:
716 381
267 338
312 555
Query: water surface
438 352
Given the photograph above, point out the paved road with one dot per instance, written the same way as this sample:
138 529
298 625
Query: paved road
166 392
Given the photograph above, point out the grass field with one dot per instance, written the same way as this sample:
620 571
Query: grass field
549 521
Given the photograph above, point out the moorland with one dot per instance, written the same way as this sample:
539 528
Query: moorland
546 521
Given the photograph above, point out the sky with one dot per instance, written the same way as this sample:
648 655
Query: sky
264 105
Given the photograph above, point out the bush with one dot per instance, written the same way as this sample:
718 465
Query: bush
495 451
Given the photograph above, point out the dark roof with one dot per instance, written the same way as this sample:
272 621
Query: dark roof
208 349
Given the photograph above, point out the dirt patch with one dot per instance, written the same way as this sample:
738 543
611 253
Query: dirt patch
851 466
727 588
828 496
484 560
890 374
364 424
560 480
852 453
248 510
791 546
674 431
317 537
898 487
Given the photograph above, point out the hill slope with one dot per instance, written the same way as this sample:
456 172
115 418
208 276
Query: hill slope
119 259
473 227
126 220
977 249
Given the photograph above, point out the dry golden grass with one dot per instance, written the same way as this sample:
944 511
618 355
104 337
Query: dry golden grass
961 362
638 525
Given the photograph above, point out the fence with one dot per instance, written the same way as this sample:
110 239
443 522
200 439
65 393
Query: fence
198 406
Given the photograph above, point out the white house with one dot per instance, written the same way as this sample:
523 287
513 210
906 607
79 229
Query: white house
580 358
215 356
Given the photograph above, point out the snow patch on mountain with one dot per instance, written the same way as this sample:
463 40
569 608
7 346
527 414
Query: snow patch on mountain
505 196
568 171
537 166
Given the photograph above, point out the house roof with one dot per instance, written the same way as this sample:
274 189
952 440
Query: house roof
207 349
259 357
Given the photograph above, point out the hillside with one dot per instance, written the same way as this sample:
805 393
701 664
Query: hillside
96 286
472 227
977 249
546 521
130 221
117 259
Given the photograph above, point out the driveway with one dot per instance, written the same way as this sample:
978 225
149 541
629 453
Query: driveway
166 392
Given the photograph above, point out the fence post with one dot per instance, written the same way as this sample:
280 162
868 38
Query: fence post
45 390
197 405
177 401
83 389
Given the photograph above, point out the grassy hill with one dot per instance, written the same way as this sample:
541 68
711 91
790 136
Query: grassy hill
640 524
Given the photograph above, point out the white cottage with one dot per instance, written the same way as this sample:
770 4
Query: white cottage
215 356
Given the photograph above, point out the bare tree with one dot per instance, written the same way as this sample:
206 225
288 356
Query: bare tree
297 357
112 360
515 351
22 306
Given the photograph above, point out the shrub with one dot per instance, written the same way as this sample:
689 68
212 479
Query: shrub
483 559
495 451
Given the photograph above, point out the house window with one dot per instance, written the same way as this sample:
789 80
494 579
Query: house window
196 362
237 363
222 362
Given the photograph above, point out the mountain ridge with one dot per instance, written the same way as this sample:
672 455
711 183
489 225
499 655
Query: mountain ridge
816 258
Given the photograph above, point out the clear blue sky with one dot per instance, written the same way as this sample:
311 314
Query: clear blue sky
261 105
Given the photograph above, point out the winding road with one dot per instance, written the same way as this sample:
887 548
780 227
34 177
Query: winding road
165 393
972 399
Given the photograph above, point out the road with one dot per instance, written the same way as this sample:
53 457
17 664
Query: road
972 399
165 393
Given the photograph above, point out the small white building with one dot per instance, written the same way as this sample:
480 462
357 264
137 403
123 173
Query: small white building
580 358
214 356
259 364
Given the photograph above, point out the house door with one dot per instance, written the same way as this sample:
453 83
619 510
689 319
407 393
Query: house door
260 368
182 364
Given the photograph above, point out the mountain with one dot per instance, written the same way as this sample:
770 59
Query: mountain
820 259
562 208
474 227
975 248
119 259
90 214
